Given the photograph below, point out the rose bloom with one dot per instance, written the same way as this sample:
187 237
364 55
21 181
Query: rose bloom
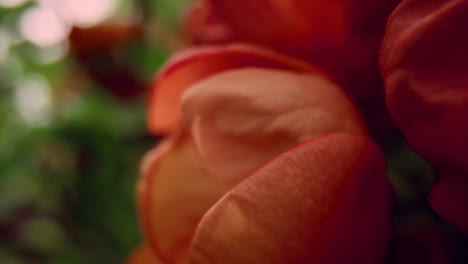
341 37
268 162
268 158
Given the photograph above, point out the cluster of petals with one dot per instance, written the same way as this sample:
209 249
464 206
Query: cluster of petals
267 156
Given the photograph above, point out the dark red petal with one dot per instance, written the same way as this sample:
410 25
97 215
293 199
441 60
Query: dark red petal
193 65
450 200
325 201
241 119
341 36
425 64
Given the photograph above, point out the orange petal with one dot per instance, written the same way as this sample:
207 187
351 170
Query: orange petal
193 65
325 201
241 119
174 192
143 255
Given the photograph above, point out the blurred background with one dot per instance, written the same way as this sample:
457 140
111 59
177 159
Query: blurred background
74 75
73 78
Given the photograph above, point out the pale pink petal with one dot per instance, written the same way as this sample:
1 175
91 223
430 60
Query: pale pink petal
241 119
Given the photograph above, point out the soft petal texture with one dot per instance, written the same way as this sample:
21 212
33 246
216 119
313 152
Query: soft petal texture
425 64
450 200
240 119
143 255
325 201
174 192
204 26
195 64
341 36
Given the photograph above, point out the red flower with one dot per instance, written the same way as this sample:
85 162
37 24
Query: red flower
268 162
425 64
340 36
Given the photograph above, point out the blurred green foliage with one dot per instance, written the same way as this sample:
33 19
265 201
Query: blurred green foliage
67 175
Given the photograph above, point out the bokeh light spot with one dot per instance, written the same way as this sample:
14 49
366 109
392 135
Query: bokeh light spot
42 26
53 53
33 100
83 13
89 12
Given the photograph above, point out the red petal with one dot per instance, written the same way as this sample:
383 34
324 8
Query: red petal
274 21
241 119
193 65
326 201
205 26
174 192
341 36
425 64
